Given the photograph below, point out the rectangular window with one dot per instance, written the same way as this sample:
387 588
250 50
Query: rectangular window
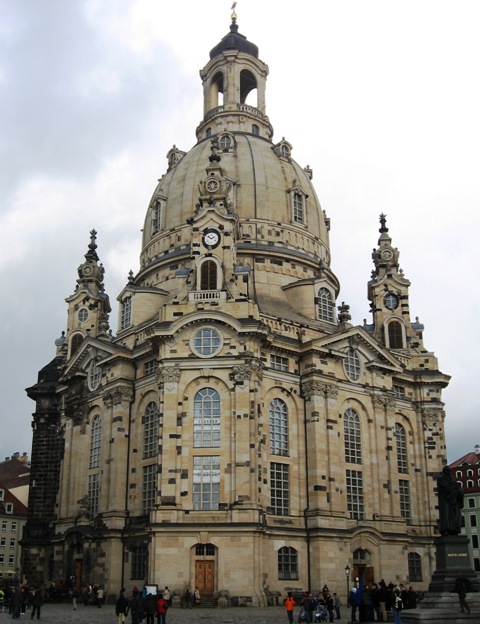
280 488
2 560
14 527
3 542
287 564
206 483
476 564
150 367
473 520
355 503
2 494
279 363
11 560
4 525
298 208
474 541
155 228
9 508
138 568
126 316
93 492
12 543
404 492
398 392
149 488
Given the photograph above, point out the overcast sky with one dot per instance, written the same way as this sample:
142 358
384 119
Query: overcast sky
380 98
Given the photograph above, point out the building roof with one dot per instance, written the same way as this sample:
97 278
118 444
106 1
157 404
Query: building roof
15 471
18 509
470 459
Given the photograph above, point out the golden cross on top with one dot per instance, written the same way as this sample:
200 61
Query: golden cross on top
234 15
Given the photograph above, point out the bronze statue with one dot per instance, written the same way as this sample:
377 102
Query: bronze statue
450 503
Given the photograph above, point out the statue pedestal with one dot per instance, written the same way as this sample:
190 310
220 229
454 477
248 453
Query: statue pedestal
452 562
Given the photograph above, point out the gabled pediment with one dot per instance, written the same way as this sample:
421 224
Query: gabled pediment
358 339
90 350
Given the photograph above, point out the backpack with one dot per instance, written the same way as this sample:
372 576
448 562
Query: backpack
398 603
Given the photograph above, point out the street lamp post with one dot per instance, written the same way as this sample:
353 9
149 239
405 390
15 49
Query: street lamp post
347 576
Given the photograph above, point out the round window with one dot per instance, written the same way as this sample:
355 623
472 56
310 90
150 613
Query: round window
206 342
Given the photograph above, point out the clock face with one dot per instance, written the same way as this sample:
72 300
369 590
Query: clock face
87 270
212 186
386 254
211 238
391 301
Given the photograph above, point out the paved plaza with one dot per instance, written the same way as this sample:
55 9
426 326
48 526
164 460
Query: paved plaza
64 614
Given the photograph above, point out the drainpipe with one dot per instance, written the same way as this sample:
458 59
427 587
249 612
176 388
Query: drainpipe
127 512
307 530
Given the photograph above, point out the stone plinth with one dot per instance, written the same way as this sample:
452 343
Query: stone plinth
443 608
452 562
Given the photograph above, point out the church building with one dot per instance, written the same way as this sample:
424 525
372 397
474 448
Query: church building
238 433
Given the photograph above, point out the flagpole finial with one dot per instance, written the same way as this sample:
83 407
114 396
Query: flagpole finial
234 15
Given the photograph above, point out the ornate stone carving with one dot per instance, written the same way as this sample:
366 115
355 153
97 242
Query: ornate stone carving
117 396
245 372
383 402
168 374
432 417
313 387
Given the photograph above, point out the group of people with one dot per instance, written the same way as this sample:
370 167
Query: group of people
320 607
370 602
20 599
143 604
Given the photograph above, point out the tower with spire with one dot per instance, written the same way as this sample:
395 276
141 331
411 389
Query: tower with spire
239 432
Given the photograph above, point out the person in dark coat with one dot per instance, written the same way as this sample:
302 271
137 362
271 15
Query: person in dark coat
37 602
151 608
121 607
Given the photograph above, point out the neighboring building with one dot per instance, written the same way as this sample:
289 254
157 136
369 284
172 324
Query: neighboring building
238 433
467 472
14 483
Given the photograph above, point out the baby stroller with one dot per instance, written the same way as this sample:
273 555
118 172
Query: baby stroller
321 614
302 617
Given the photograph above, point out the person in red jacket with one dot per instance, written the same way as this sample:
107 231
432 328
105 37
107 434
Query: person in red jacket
162 608
289 603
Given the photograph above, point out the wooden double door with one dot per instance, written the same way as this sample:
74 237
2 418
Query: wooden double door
205 577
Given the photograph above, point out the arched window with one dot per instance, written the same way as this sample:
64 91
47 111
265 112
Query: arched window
208 275
248 88
287 563
150 431
225 142
126 314
95 441
352 365
395 335
278 427
401 442
76 342
206 418
325 305
352 437
414 567
255 129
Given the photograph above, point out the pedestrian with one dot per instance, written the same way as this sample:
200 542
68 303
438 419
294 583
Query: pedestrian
308 606
329 605
100 595
136 607
121 607
336 605
196 597
37 602
167 595
353 604
397 606
150 607
461 589
412 598
75 595
381 596
289 603
15 602
162 608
